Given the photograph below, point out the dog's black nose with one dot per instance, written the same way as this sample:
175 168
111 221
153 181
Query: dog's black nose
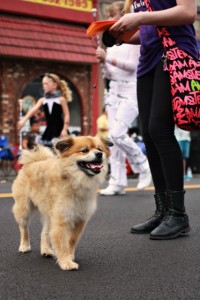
99 154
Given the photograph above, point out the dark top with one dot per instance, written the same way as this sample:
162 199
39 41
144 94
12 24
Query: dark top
54 117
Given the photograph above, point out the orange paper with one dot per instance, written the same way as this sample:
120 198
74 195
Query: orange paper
100 26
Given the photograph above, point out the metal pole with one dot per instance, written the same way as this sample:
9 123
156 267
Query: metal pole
20 118
94 13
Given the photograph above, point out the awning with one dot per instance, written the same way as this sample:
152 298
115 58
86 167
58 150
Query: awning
46 40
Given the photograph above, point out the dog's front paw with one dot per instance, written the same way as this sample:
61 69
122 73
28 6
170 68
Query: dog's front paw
24 248
47 252
68 265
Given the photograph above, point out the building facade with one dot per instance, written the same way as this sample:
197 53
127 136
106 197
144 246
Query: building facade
46 36
49 36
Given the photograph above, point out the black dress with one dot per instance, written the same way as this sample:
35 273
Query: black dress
54 118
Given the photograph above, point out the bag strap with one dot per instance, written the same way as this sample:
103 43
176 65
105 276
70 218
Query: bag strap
163 32
148 5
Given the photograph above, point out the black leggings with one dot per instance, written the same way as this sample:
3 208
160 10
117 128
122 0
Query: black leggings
162 148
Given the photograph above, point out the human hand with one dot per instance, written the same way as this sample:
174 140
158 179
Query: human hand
100 54
126 23
20 124
63 133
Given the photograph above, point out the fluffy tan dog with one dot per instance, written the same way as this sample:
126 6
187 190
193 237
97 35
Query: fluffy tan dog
64 189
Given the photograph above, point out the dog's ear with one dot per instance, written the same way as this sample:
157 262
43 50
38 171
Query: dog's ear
64 144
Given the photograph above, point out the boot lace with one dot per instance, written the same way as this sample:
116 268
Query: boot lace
168 216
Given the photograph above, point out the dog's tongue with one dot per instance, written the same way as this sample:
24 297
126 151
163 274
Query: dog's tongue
95 167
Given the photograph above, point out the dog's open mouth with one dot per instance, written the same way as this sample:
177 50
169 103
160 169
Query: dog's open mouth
91 168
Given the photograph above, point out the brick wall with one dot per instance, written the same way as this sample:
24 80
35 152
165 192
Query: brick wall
16 75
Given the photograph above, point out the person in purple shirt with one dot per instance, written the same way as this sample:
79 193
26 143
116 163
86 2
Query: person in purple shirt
154 100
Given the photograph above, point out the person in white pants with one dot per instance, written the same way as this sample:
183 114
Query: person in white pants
120 65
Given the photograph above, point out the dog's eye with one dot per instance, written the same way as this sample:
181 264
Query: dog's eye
86 150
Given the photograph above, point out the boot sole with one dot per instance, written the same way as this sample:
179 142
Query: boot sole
140 232
173 236
143 231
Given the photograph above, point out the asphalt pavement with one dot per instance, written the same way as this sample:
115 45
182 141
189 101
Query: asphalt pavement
114 264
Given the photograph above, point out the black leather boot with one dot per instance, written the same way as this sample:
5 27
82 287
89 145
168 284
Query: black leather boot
152 222
175 222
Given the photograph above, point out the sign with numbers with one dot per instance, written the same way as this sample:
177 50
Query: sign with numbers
76 11
83 5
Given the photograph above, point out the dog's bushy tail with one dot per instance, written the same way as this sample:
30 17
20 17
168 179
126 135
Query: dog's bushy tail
37 154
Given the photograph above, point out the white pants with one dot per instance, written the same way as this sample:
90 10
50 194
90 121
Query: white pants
122 108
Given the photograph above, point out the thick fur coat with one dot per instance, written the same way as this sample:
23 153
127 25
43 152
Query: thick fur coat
63 187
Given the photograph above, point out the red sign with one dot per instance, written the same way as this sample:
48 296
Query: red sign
78 11
82 5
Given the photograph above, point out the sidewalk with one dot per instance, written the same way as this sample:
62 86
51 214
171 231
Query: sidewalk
6 183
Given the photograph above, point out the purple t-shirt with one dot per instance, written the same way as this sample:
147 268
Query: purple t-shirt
151 46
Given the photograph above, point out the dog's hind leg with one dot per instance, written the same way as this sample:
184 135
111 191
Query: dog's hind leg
22 210
60 234
75 235
45 247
